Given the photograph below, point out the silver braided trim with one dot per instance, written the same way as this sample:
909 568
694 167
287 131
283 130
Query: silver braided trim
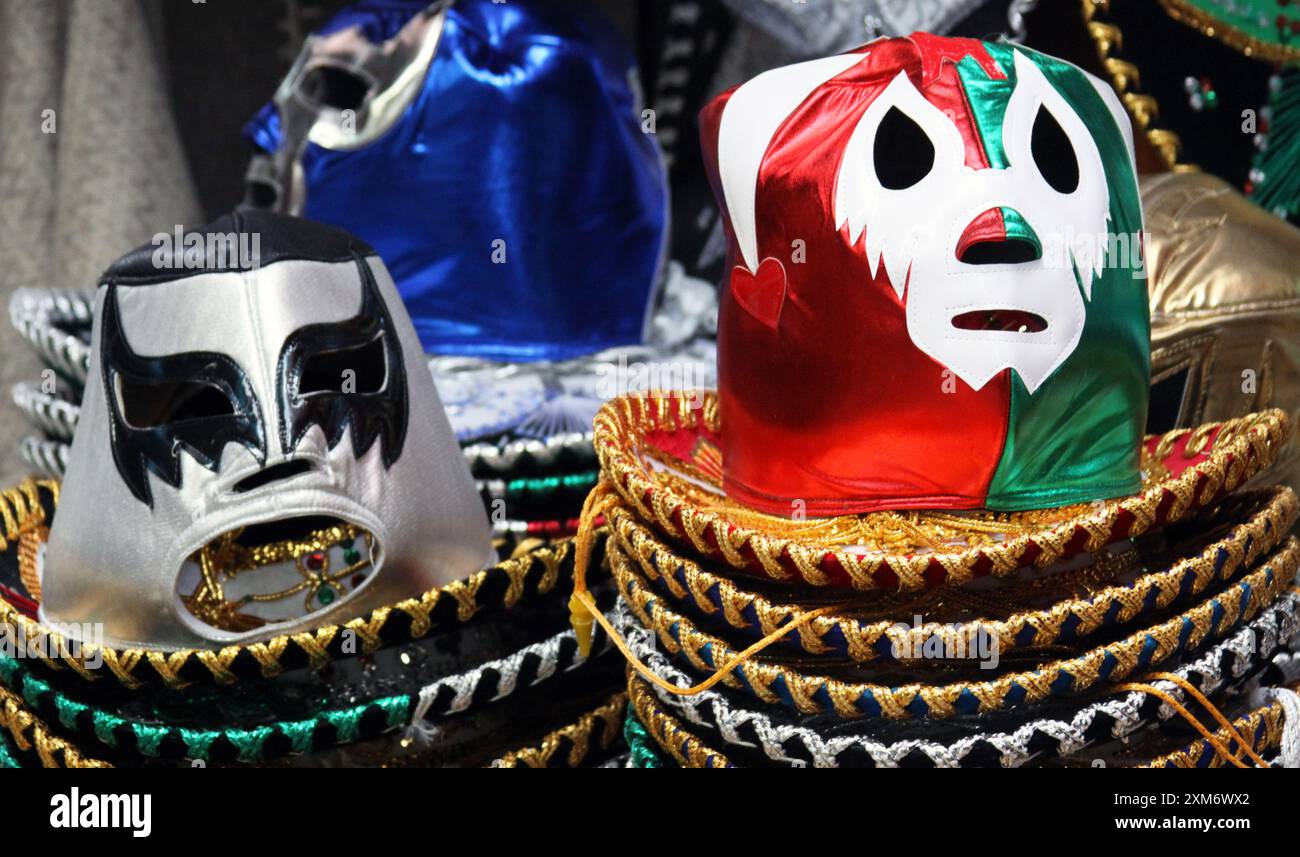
1276 626
45 457
455 694
622 760
54 416
502 458
36 313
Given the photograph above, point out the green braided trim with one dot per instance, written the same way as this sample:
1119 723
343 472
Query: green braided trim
249 744
550 484
7 759
645 752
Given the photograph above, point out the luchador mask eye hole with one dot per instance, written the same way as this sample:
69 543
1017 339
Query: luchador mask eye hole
152 404
363 369
903 152
334 87
1053 153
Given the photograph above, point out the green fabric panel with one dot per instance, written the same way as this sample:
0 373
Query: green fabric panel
1078 438
1276 179
1018 227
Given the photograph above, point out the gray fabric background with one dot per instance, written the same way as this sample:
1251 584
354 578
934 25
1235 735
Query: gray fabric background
106 179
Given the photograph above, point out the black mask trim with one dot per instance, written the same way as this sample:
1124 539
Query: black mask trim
380 414
137 450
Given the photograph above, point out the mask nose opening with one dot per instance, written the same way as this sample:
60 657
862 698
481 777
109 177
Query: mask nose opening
275 473
1009 251
999 236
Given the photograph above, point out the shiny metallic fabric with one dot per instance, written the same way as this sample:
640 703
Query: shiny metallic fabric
1224 280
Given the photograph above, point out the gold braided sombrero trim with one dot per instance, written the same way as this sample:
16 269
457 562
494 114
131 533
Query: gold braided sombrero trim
603 724
1242 448
811 694
29 732
717 595
1211 27
21 511
1262 728
503 586
688 750
1124 78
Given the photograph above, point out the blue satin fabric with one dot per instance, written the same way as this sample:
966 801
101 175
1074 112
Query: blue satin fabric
526 131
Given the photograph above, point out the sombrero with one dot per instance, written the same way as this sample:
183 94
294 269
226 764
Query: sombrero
927 433
255 556
1210 86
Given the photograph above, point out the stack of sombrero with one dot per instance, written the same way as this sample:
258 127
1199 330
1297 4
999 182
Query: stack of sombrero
267 548
919 523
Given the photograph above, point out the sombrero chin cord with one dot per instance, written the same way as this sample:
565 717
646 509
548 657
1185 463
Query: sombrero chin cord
584 613
1210 738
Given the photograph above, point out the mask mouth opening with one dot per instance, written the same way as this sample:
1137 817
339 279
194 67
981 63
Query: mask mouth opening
1004 320
277 572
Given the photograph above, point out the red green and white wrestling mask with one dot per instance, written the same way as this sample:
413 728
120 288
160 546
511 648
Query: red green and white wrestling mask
937 296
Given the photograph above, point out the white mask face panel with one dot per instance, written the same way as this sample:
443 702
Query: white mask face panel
920 231
260 451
